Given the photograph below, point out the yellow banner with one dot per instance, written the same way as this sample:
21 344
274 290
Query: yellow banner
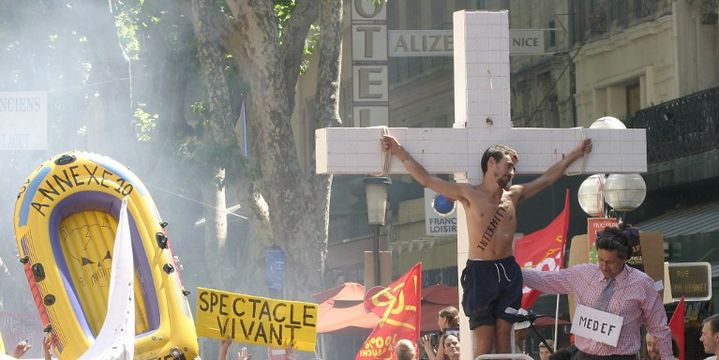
256 320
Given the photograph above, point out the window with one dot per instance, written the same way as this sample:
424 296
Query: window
634 99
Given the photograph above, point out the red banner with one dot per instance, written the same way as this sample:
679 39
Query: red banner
543 250
676 326
398 307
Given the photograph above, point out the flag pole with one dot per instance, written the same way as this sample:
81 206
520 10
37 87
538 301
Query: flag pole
556 323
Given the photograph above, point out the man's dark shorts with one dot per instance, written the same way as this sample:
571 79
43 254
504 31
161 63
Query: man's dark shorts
490 287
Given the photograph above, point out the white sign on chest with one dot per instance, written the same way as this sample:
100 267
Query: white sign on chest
597 325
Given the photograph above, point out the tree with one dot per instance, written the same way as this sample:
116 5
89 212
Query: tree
288 203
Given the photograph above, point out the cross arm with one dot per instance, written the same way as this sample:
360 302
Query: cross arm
614 150
447 150
358 151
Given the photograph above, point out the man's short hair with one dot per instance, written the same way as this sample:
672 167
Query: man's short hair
713 322
497 152
612 238
550 342
405 350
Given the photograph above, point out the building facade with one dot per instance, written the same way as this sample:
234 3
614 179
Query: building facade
652 63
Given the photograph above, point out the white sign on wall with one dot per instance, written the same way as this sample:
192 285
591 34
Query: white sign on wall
370 81
408 43
526 42
23 120
440 214
404 43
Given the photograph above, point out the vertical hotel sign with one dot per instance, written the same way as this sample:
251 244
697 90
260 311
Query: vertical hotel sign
23 120
370 85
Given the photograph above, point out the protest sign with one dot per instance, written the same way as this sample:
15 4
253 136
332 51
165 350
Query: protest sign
256 320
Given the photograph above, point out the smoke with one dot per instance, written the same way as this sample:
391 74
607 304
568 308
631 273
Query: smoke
118 82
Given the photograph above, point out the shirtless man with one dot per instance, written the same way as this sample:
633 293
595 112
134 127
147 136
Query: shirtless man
492 280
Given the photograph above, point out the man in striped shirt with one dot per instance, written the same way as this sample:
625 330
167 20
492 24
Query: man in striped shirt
632 297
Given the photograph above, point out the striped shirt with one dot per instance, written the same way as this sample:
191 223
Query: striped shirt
634 298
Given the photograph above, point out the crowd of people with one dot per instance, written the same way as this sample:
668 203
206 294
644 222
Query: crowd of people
23 346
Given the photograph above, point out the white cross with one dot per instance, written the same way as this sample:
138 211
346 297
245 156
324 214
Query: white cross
482 118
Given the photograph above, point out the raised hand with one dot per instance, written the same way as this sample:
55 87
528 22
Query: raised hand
21 348
243 354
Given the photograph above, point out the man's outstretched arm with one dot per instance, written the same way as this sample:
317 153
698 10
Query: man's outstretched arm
554 172
418 172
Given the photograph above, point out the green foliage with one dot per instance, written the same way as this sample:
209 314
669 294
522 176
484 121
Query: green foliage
128 19
283 12
145 123
132 19
208 155
200 108
310 45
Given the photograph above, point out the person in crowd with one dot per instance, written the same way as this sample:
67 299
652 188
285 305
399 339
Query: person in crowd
564 353
652 352
448 322
710 336
244 354
48 342
545 351
492 280
405 350
611 286
448 319
450 343
225 347
21 348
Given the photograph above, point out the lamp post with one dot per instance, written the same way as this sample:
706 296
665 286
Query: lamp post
376 189
591 195
623 192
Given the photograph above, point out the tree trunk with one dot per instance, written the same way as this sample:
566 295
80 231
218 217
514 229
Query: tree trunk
297 199
217 133
215 238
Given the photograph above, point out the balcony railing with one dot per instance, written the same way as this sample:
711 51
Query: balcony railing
681 127
598 18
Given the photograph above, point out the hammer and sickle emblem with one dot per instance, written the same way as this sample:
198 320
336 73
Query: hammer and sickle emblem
394 305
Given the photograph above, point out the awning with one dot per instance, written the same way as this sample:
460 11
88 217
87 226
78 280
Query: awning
692 220
342 311
434 299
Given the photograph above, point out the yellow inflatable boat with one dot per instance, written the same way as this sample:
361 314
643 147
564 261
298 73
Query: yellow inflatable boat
66 218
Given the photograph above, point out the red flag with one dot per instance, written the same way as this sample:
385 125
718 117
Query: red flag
398 307
676 325
543 250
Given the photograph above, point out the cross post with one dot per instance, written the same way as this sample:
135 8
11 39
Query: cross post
482 119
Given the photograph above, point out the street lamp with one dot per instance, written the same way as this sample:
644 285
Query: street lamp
591 195
376 189
623 192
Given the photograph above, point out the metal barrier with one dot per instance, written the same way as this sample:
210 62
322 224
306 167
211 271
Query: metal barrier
504 356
